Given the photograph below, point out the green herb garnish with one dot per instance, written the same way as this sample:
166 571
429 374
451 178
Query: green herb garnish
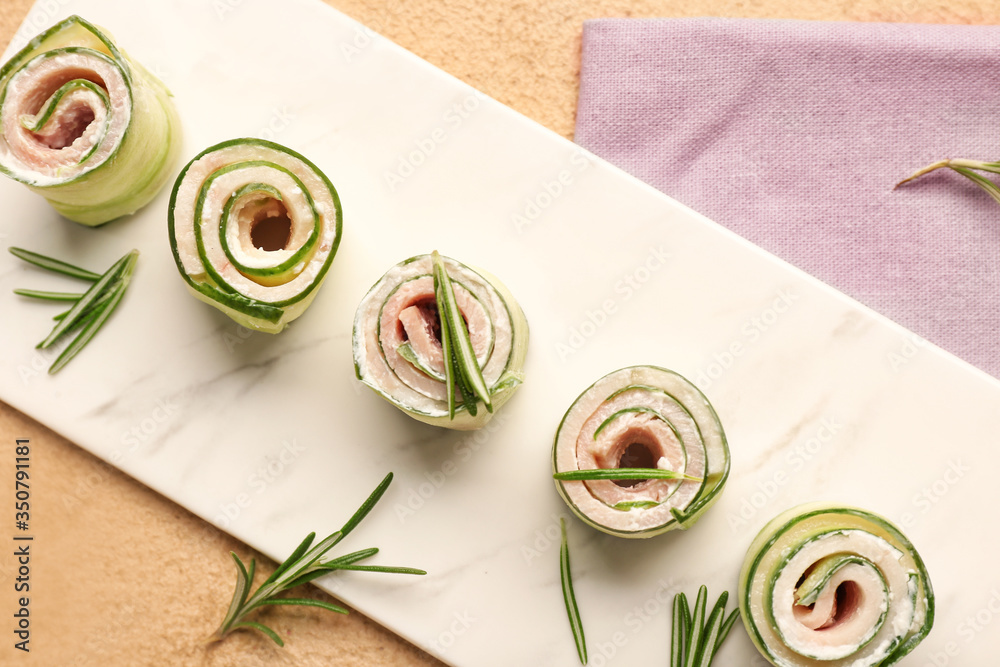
569 597
968 169
301 567
90 309
49 296
54 265
620 473
695 641
97 303
461 369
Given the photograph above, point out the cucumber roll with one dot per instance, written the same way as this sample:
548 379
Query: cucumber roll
84 125
441 341
836 586
254 227
647 418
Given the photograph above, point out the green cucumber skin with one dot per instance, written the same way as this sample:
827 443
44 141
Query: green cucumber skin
140 165
140 153
803 544
714 482
784 522
288 264
463 421
258 323
378 325
292 308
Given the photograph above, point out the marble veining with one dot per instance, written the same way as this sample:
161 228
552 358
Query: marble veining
270 438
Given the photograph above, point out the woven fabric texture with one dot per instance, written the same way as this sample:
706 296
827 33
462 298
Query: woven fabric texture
793 134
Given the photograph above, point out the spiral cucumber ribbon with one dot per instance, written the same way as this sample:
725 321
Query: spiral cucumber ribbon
84 125
398 344
642 417
254 227
834 586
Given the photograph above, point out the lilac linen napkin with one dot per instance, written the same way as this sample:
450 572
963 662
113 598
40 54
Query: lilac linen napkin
792 134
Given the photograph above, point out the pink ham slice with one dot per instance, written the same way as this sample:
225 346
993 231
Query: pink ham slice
423 329
82 131
641 417
401 309
414 298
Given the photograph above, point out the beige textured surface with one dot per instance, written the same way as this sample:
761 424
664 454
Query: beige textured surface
122 576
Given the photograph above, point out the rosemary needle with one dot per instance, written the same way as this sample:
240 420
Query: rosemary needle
569 597
93 323
100 301
48 296
54 265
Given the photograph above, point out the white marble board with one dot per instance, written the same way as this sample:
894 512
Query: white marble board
820 398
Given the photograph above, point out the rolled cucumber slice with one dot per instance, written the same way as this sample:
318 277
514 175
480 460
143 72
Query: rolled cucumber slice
398 344
641 417
254 227
84 125
834 586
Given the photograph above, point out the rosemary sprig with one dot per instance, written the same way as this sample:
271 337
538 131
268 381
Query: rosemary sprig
88 298
694 640
460 365
54 265
968 169
620 473
301 567
92 323
90 310
569 597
